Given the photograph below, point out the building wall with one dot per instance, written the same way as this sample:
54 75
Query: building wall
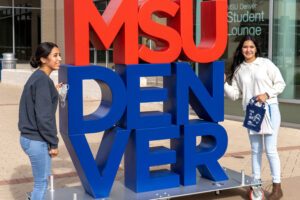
52 23
60 26
48 23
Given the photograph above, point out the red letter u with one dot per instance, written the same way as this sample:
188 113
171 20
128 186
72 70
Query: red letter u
213 30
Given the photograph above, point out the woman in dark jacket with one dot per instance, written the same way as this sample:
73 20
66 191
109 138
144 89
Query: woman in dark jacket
37 122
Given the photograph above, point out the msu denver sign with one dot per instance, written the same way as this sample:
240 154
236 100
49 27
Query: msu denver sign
127 130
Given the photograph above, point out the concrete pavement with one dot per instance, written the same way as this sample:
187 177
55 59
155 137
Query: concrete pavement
16 176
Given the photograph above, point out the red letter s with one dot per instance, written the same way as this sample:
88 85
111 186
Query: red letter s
167 40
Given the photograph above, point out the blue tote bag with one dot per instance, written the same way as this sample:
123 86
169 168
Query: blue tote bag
255 113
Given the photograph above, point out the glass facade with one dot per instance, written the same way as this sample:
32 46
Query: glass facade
276 25
248 18
6 41
20 27
286 44
27 3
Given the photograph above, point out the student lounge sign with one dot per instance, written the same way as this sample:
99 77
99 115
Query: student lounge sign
127 130
246 18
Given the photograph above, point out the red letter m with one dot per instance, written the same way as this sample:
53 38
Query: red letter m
118 24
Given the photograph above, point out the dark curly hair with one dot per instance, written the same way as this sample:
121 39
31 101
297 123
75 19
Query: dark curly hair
42 51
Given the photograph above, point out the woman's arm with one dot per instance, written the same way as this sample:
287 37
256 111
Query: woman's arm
276 78
232 91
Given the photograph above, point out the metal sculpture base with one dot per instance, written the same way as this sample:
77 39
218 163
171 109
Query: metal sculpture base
120 192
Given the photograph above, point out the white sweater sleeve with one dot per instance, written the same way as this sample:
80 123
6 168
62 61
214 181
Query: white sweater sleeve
232 91
277 80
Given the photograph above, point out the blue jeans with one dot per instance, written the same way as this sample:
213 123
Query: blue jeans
270 142
40 160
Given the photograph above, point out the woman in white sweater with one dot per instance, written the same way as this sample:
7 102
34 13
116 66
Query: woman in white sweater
254 76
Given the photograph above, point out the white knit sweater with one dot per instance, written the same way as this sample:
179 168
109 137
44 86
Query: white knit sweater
252 79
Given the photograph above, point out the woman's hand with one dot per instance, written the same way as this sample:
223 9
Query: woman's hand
262 97
58 86
53 152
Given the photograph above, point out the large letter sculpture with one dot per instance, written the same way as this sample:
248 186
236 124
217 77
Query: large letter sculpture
127 130
123 19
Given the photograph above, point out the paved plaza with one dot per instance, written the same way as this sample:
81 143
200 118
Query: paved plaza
16 176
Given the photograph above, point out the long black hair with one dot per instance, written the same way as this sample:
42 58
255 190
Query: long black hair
42 51
238 57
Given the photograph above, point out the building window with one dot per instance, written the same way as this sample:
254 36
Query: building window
6 30
28 3
247 18
286 45
27 32
20 28
252 17
5 2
